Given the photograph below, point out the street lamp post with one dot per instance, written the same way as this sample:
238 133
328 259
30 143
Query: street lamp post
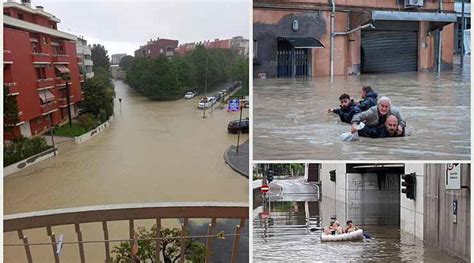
240 131
51 133
205 86
462 34
68 99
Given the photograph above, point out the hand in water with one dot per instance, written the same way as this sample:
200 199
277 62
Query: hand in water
400 130
354 128
330 110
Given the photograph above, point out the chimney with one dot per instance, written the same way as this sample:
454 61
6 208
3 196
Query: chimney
26 3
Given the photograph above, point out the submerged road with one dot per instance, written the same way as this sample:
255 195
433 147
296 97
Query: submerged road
153 152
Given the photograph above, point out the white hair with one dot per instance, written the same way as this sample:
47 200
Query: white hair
381 99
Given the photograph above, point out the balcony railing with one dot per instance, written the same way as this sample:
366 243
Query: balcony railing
60 58
41 58
79 60
48 107
63 101
45 83
12 88
81 78
80 217
61 83
7 56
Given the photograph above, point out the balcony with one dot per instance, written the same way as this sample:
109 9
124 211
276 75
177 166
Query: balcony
41 58
78 220
7 57
60 58
79 60
88 62
13 88
81 78
48 107
45 83
61 83
89 75
63 101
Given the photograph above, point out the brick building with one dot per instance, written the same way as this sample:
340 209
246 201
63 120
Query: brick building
293 38
238 44
37 58
158 47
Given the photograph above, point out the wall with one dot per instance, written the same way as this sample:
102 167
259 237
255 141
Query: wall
28 162
87 136
411 212
440 231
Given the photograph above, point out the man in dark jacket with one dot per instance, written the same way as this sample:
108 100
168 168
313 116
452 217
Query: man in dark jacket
369 98
347 109
389 129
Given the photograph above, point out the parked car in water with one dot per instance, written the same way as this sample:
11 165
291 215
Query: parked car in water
234 126
189 95
206 102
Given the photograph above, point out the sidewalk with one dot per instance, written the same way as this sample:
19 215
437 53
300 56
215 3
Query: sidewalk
238 161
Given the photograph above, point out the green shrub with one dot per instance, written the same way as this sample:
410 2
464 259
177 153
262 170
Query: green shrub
87 121
23 148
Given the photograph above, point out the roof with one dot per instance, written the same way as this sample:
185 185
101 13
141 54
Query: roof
31 10
27 26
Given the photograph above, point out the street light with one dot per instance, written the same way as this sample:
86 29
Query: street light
50 125
66 77
205 86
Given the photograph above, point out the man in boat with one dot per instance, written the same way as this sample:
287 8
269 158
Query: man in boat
389 129
350 227
369 98
377 116
334 229
347 109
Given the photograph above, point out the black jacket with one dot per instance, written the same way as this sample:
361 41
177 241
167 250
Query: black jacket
369 101
346 114
377 132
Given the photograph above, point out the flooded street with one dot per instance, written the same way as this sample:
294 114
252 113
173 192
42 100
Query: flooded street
291 229
291 120
152 152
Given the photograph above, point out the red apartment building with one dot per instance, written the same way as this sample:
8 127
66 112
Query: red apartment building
35 56
157 48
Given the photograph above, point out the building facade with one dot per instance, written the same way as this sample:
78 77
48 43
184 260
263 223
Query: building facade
116 58
157 48
238 43
38 60
339 37
84 53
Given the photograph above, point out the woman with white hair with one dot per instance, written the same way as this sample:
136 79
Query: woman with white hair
377 115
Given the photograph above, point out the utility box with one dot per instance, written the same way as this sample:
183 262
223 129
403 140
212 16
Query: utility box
413 3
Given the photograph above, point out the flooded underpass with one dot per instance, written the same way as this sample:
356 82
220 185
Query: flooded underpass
291 120
285 228
152 152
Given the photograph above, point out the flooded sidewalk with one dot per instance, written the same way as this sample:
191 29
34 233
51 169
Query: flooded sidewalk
291 120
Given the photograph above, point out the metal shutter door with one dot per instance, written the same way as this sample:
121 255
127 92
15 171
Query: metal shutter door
389 51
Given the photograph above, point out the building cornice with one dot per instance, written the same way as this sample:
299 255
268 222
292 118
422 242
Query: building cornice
17 23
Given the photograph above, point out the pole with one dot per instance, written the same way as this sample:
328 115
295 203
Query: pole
331 52
68 100
51 133
205 86
240 131
462 34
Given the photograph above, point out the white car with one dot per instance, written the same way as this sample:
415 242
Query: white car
206 102
189 95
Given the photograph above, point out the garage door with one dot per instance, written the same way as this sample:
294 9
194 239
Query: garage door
389 51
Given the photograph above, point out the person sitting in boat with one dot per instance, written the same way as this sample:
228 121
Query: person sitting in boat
347 109
369 98
350 227
377 116
334 228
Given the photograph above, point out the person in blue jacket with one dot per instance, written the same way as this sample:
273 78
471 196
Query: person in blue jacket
347 110
369 98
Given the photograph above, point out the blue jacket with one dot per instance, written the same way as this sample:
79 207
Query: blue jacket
346 114
369 101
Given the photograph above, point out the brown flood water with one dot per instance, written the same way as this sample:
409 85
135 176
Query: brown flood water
152 152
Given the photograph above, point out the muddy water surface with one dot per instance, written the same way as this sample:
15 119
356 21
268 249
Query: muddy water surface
291 119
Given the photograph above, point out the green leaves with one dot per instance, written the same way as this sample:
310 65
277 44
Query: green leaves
99 57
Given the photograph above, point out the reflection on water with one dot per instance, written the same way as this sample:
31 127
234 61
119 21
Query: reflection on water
290 119
291 230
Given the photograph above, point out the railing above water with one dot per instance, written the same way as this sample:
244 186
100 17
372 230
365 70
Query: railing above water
128 212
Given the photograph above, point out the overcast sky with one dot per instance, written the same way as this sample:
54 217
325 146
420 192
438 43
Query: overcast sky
122 26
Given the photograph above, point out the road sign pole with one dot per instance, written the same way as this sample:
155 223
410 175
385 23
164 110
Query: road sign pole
240 131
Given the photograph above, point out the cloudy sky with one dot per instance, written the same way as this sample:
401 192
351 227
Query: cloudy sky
122 26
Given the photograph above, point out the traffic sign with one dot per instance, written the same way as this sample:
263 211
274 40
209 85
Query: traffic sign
264 188
234 105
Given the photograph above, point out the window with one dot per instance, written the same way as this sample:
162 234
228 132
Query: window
20 16
40 73
45 41
7 13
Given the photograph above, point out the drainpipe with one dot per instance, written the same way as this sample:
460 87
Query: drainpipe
462 34
354 30
440 9
331 54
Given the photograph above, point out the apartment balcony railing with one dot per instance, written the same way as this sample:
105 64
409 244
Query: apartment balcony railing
63 101
79 217
79 60
47 83
60 58
7 56
48 107
89 75
41 58
88 62
61 83
81 78
12 88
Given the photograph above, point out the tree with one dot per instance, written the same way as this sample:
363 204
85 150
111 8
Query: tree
10 110
99 95
99 57
126 62
170 247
